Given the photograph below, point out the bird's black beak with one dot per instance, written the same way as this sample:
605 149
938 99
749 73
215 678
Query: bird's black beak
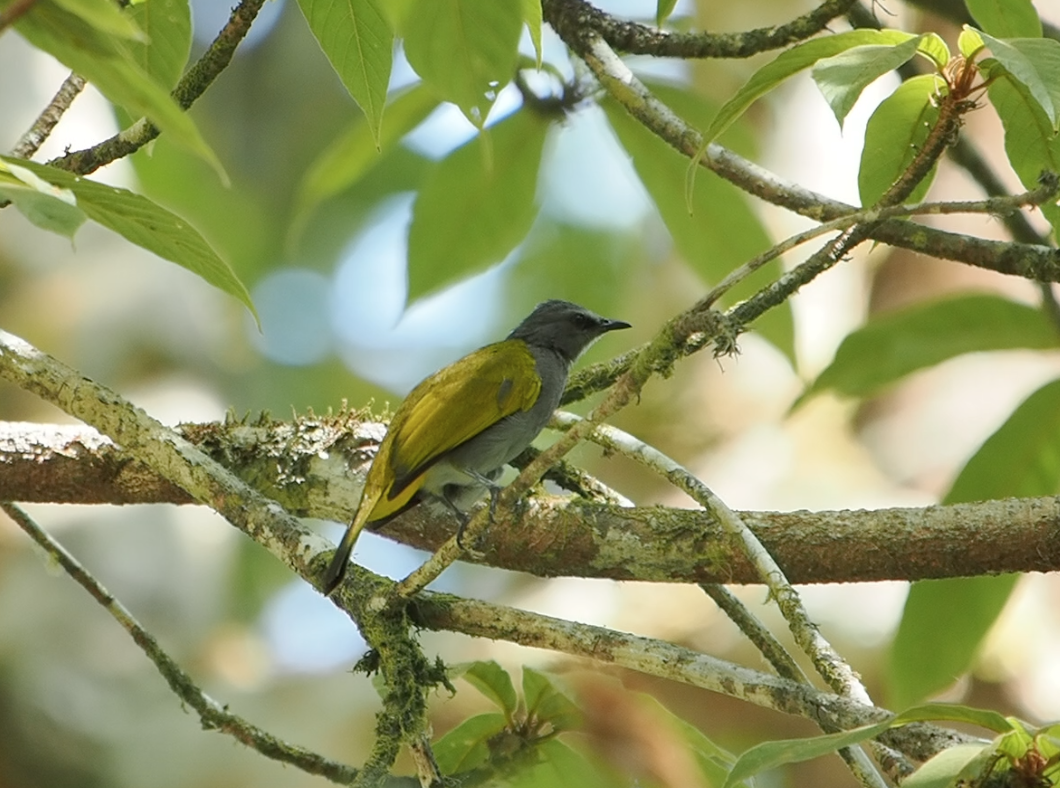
614 325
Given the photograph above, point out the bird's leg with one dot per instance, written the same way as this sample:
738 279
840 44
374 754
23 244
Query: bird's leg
494 489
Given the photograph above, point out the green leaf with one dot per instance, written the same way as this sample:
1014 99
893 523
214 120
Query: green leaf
105 63
477 205
491 680
145 224
721 232
45 205
1006 18
969 42
532 15
791 62
934 49
714 761
945 620
1035 63
467 745
663 9
559 766
943 623
357 149
943 770
894 134
1030 142
167 24
357 39
773 754
104 16
546 702
466 50
893 345
1021 459
842 78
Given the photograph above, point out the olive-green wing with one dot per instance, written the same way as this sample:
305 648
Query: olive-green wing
457 403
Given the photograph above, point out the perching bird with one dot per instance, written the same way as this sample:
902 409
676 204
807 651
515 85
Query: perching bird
457 429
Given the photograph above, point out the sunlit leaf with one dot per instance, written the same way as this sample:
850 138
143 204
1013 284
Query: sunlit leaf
893 345
532 15
359 43
106 17
103 61
1006 18
477 205
791 62
842 78
663 9
491 680
47 206
146 224
1035 63
465 49
896 131
1030 142
943 770
545 701
164 54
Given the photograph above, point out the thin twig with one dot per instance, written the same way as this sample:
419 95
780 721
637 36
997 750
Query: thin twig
192 85
30 142
214 716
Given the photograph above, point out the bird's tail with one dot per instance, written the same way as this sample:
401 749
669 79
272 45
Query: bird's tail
337 568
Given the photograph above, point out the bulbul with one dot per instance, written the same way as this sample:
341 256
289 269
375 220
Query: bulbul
454 433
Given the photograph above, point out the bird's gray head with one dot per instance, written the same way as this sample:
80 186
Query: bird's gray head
564 327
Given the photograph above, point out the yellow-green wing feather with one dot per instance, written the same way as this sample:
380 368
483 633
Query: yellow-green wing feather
450 407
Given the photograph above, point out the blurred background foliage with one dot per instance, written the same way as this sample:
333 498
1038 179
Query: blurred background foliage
80 705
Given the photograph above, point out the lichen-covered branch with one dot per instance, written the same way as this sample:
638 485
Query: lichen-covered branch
191 86
314 467
574 18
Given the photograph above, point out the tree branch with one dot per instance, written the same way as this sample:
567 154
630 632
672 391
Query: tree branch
191 86
30 142
572 19
315 466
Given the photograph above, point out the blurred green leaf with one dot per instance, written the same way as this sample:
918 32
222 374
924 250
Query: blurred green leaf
663 9
465 49
1034 63
559 766
357 39
545 701
713 760
944 621
1030 142
791 62
102 61
895 132
842 78
167 24
477 205
466 746
532 15
893 345
106 17
45 205
145 224
773 754
1006 18
942 625
583 264
943 770
722 231
491 680
354 151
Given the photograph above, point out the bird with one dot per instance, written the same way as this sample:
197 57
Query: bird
456 430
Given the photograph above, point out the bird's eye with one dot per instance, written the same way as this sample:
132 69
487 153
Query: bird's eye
583 321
